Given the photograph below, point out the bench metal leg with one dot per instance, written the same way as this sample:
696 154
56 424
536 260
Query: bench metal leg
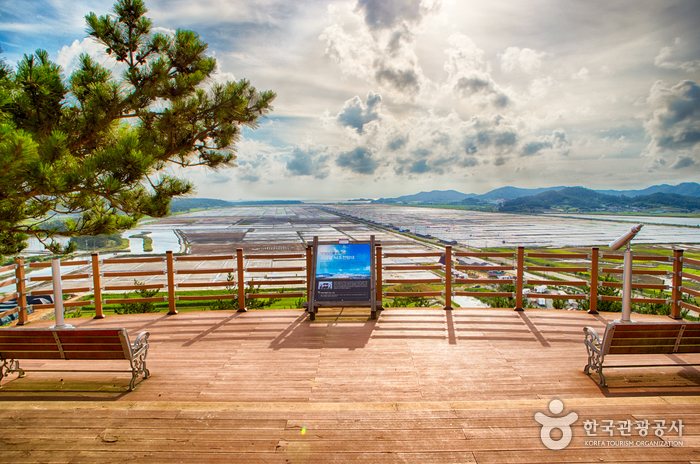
595 356
138 366
595 363
9 366
138 362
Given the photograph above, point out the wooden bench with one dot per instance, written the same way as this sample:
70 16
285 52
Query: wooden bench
640 338
72 343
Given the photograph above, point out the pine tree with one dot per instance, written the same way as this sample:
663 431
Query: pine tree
98 147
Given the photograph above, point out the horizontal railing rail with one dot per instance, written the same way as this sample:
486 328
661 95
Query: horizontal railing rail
475 267
199 258
133 260
8 297
571 283
484 281
638 257
132 287
651 272
414 281
635 299
558 269
9 267
558 255
636 286
205 271
489 254
554 296
486 294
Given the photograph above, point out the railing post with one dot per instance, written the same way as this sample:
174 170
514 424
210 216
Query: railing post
593 296
308 273
380 295
58 295
241 280
171 283
21 292
519 279
97 286
677 282
448 278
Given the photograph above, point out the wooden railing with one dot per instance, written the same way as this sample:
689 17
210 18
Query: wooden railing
484 267
555 258
649 272
426 262
439 269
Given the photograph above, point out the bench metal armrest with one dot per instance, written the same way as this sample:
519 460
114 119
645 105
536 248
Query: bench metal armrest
139 350
592 339
140 345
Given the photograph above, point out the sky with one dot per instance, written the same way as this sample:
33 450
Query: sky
381 98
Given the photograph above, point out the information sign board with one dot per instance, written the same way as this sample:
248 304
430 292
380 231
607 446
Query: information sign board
343 273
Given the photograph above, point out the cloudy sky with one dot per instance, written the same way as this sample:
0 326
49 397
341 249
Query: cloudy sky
380 98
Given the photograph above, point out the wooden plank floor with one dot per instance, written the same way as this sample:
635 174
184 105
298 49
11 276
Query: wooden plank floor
417 385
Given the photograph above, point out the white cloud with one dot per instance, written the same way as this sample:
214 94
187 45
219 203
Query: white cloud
309 161
220 76
464 56
523 59
674 123
582 74
469 74
356 113
379 47
675 57
220 11
68 56
540 87
387 14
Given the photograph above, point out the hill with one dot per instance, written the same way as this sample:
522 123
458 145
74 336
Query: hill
435 196
691 189
582 199
510 193
186 204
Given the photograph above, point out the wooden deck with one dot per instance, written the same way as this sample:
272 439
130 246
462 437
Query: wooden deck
417 385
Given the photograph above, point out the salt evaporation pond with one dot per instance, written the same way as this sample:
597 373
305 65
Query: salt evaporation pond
480 230
164 239
472 228
667 220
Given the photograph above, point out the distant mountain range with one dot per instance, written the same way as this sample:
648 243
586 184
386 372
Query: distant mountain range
691 189
681 196
581 199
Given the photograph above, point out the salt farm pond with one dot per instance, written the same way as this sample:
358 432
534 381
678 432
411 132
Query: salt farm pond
474 229
481 230
164 239
666 220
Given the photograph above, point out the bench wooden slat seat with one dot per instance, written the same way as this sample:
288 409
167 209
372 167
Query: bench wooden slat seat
71 344
640 338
